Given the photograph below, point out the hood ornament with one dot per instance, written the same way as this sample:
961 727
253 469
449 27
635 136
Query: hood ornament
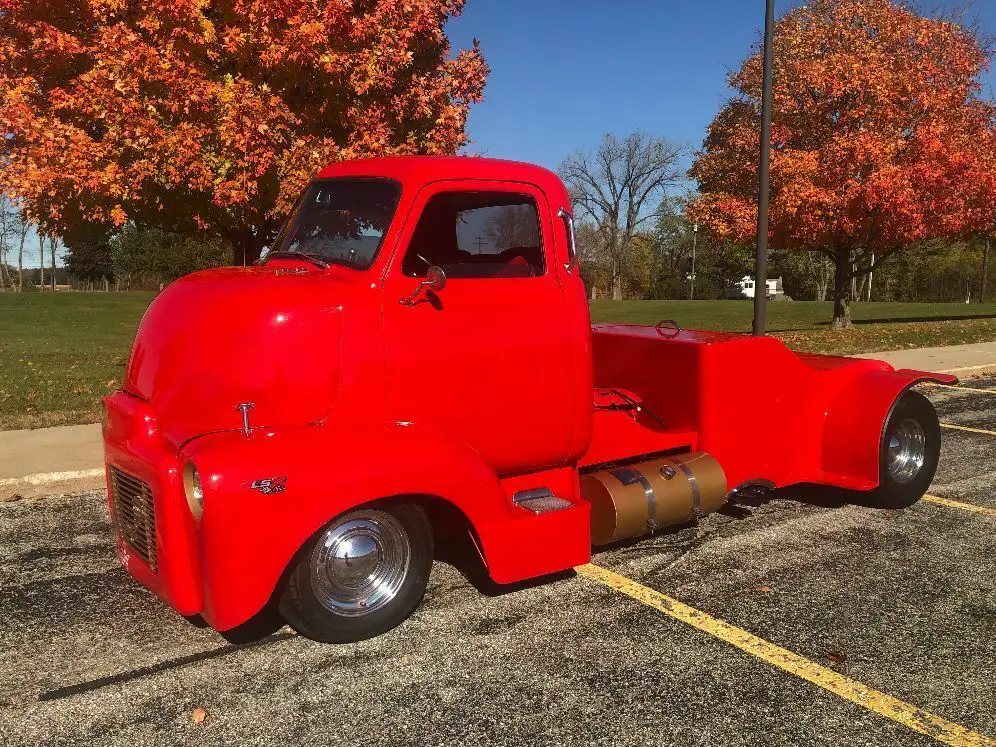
245 407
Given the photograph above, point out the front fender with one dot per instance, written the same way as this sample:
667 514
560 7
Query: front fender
248 537
855 421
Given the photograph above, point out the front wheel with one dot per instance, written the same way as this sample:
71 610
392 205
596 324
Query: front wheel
909 452
361 575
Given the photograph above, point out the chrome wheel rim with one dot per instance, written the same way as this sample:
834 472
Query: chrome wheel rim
360 563
907 450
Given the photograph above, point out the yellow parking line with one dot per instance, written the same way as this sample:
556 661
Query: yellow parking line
906 714
954 427
959 387
973 507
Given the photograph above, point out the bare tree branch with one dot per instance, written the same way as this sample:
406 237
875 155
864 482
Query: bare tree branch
619 187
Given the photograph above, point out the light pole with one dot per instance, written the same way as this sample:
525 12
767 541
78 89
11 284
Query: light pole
695 236
761 279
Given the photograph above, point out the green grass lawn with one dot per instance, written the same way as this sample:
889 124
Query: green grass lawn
61 352
805 325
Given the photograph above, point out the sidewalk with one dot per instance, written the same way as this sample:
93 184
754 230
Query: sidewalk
961 360
69 458
46 461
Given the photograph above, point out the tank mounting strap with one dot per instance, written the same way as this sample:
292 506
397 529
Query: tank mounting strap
628 476
693 483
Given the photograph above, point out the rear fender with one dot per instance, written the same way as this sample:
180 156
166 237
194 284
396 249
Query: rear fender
855 421
248 536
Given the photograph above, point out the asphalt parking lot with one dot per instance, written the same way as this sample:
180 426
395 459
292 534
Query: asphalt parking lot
901 603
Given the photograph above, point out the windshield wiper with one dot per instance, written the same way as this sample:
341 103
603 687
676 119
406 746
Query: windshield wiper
313 258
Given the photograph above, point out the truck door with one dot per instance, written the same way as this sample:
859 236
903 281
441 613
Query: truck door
490 358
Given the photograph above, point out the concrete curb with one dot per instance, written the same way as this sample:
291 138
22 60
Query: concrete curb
50 483
49 461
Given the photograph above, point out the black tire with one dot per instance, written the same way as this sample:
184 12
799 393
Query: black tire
904 484
325 596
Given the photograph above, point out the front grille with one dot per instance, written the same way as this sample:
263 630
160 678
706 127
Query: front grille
134 515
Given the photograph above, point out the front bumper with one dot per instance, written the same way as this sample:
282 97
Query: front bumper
167 560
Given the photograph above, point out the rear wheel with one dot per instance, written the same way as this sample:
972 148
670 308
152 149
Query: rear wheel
909 452
360 576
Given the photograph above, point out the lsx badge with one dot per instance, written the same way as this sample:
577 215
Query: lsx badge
270 485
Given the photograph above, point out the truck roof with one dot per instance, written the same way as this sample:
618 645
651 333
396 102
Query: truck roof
425 169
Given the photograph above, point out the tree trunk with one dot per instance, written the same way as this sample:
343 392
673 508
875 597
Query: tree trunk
861 289
20 264
51 249
985 270
616 281
821 277
841 299
41 261
871 276
246 247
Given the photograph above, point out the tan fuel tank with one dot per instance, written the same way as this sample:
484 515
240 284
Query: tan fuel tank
637 499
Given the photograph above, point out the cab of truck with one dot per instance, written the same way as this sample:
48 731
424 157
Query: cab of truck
415 356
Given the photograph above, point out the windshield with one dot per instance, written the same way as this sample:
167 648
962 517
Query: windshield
341 221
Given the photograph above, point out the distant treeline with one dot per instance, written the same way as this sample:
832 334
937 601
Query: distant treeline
659 266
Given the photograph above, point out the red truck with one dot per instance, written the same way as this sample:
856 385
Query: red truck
415 358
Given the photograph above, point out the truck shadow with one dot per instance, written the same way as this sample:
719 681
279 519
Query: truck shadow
459 553
820 496
163 666
265 623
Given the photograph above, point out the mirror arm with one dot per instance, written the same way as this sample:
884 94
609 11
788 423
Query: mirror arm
413 298
435 279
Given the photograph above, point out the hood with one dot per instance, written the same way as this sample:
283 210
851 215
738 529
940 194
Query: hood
215 339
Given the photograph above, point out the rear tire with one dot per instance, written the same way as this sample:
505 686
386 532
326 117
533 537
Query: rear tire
361 575
909 452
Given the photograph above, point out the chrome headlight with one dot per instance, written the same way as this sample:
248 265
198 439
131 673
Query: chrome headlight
193 490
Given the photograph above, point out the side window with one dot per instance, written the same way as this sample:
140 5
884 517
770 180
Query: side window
477 235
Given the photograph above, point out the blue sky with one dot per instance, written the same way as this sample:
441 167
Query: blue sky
564 73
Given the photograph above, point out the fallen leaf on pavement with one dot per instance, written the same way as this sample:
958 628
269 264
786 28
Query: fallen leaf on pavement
837 658
199 716
764 589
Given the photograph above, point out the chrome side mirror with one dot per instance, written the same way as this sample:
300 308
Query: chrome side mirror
435 280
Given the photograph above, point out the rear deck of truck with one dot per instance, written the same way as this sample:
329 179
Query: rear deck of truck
761 409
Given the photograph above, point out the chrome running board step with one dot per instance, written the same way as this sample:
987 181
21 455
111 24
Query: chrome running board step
540 501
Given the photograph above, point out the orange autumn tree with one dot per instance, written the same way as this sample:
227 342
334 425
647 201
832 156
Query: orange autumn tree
210 115
879 138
